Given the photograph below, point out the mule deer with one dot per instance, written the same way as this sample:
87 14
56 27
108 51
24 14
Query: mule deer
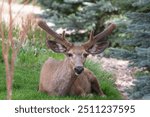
69 76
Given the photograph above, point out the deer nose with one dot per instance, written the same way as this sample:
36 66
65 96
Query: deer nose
79 69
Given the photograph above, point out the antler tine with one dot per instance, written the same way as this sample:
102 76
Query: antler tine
58 38
106 32
99 36
91 36
63 35
46 28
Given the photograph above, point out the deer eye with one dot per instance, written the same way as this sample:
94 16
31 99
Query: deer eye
69 54
85 54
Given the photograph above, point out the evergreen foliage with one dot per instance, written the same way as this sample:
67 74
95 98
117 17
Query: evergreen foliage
79 16
136 43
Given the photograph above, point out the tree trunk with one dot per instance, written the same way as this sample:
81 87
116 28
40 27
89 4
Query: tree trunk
9 87
9 77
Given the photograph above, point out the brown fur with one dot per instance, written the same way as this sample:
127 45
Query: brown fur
86 83
67 77
59 78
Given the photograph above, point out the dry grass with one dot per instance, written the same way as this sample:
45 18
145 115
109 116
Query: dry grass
9 47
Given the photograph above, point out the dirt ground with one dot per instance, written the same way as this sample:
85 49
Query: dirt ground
122 73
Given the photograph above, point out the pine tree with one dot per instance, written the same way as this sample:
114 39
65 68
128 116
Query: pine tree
137 41
134 45
79 16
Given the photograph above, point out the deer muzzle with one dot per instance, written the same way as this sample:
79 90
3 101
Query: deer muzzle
78 70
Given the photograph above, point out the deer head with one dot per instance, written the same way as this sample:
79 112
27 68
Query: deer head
76 54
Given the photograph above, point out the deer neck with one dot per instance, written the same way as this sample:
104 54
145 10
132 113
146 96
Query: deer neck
66 77
67 71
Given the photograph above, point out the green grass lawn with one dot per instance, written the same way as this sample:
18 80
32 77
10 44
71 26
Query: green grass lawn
27 71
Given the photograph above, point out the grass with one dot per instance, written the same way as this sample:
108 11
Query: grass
26 77
27 70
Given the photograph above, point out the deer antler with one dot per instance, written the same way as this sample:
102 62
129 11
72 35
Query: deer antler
93 39
58 38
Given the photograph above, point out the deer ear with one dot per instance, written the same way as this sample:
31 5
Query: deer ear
56 47
98 48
